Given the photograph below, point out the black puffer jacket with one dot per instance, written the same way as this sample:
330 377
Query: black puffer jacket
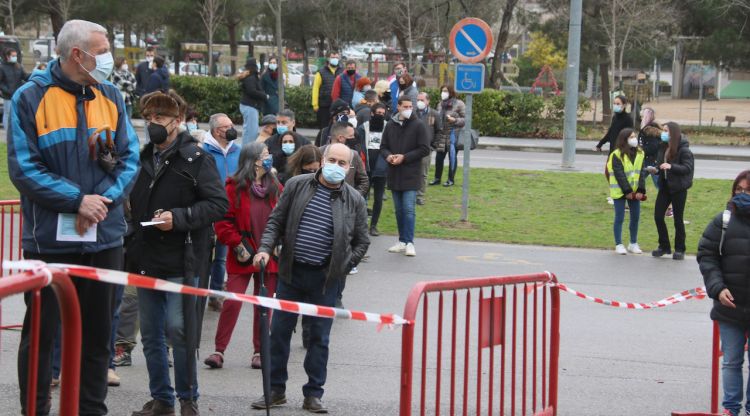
650 138
620 121
188 185
350 239
12 76
730 269
252 90
680 177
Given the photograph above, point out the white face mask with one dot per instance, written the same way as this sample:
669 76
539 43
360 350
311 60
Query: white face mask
444 95
353 121
633 141
105 63
272 67
421 105
13 59
124 67
406 113
149 59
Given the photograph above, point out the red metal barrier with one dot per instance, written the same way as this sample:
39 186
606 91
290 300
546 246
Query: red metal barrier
527 378
70 318
715 372
10 241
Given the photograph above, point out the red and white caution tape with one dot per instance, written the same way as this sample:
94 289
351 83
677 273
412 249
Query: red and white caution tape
696 293
146 282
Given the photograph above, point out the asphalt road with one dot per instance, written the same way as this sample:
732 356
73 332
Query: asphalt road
612 361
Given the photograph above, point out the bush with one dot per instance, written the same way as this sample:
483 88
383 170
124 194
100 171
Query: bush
209 95
554 107
299 100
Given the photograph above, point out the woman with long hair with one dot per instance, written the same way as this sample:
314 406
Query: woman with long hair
252 192
723 256
306 159
270 82
620 120
252 100
452 112
627 184
649 137
676 166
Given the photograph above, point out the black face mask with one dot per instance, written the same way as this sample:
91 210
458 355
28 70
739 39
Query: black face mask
157 133
231 134
352 144
308 171
351 71
376 122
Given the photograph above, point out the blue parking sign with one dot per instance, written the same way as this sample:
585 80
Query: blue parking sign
469 78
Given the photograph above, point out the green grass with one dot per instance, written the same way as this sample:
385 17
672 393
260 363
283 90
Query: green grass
7 190
549 208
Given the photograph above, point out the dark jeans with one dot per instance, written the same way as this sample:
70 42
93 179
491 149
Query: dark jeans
323 115
306 286
127 327
119 290
635 215
218 267
378 187
677 199
452 165
97 305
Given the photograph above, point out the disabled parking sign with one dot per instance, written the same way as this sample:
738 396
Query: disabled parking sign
471 40
469 78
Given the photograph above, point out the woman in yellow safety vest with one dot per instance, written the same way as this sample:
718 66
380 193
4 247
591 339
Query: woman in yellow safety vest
627 183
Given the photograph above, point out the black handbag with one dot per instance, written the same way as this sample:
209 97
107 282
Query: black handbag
474 140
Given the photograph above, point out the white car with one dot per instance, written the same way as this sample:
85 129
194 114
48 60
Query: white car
44 49
190 68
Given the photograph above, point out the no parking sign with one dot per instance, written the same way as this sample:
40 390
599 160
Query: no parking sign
471 40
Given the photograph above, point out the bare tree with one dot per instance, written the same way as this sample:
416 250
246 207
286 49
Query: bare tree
10 7
279 48
212 12
496 73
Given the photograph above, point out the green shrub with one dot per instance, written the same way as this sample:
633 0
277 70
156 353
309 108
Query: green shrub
554 107
299 100
209 95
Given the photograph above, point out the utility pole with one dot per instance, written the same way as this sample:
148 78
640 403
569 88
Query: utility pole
571 85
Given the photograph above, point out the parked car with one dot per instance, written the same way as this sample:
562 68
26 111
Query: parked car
190 68
44 49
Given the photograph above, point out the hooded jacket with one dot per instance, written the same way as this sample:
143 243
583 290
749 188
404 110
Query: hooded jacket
252 90
12 76
48 158
158 81
226 161
680 177
409 138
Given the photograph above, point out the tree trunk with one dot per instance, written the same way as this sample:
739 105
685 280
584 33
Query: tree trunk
57 22
402 42
126 33
232 29
613 41
305 64
496 73
177 57
11 18
606 107
211 53
281 58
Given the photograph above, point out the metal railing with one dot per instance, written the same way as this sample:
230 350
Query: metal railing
11 226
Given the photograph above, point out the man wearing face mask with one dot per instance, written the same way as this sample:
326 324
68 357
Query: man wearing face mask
404 145
267 128
12 76
180 188
285 123
433 123
51 119
346 83
322 88
321 223
143 71
219 142
399 70
356 176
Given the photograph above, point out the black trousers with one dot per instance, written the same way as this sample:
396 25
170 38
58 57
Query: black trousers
677 199
439 161
97 307
378 187
323 115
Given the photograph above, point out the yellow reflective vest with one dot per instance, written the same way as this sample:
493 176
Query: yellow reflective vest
632 172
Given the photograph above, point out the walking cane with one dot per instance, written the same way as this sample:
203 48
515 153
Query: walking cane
265 342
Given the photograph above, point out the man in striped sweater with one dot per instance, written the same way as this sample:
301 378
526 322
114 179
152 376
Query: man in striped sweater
321 222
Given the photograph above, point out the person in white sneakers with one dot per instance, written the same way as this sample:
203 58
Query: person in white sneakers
627 184
404 144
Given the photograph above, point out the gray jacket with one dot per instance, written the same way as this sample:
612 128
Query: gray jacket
350 240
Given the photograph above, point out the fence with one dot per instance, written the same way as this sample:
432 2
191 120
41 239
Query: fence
527 378
11 223
70 318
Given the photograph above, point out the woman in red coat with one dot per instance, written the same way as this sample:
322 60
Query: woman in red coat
252 193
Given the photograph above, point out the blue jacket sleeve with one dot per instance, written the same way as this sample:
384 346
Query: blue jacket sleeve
119 183
27 168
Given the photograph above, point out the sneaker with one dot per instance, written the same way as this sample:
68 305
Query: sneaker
610 201
620 249
398 248
314 405
678 255
113 379
55 382
420 201
155 408
277 399
410 250
215 360
354 270
374 231
122 357
255 362
189 408
634 248
660 252
669 213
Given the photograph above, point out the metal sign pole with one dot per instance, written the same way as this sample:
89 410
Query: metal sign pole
467 156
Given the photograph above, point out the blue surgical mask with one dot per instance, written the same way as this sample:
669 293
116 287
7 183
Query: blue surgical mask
664 136
191 127
287 148
741 202
282 129
617 108
334 61
13 59
104 66
333 173
268 163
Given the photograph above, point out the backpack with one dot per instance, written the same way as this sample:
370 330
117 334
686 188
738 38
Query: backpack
725 217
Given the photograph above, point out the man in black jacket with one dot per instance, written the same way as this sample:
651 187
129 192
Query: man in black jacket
321 223
12 76
404 144
179 189
143 72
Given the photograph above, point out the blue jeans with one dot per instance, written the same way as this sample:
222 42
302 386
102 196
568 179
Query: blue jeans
218 267
160 312
733 340
119 290
6 113
406 214
249 123
307 285
635 214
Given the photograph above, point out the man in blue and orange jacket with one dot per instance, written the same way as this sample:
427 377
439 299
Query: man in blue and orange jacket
72 205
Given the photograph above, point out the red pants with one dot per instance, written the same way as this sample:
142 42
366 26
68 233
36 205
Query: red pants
237 283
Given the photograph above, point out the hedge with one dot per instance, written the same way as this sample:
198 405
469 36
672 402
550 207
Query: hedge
495 113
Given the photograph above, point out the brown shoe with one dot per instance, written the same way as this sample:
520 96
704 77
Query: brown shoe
255 361
155 408
314 405
215 360
277 399
189 408
215 304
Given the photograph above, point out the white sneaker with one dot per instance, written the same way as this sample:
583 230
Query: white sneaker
620 249
634 248
410 250
398 248
112 378
610 201
354 270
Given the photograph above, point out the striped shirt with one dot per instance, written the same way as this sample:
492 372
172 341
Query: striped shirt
315 232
